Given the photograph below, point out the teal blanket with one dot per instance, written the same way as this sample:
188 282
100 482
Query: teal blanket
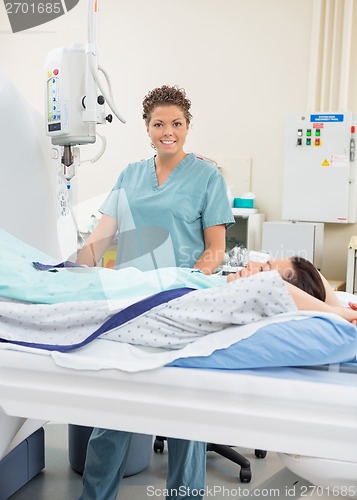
19 279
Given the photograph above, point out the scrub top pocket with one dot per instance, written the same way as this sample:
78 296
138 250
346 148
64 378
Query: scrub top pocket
187 207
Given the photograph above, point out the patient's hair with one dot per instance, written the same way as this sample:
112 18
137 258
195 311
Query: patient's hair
307 277
166 96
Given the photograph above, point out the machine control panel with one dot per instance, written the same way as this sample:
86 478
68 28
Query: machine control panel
54 102
320 168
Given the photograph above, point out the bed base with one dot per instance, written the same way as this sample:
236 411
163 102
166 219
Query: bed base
22 464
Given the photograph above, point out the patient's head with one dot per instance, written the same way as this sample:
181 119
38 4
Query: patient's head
304 275
295 270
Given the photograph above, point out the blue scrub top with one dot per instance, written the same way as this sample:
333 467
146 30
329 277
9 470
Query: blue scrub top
162 226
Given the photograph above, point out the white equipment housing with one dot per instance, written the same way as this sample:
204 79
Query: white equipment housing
283 239
73 106
320 168
33 195
351 276
71 117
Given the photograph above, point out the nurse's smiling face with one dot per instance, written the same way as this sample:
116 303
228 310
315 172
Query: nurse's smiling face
167 129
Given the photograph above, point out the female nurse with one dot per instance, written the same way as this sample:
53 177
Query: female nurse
171 210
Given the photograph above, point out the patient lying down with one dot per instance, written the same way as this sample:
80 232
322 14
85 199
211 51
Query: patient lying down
254 293
250 295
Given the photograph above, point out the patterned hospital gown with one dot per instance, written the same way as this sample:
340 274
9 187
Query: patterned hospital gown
176 323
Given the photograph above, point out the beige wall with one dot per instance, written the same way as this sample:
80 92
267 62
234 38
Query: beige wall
244 64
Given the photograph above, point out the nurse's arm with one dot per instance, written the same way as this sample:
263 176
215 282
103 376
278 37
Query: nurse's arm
98 242
215 245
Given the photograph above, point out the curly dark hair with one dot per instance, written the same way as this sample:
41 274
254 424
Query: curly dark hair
169 96
306 276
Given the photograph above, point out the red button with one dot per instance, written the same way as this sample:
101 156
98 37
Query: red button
55 71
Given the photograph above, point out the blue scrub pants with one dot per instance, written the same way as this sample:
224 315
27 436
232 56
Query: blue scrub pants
107 453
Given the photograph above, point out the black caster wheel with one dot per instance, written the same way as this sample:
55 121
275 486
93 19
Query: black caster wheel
245 475
260 453
159 446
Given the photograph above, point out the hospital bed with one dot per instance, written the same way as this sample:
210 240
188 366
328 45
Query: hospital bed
304 411
251 385
300 411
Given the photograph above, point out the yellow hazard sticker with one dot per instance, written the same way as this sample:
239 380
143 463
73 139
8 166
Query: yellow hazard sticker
325 163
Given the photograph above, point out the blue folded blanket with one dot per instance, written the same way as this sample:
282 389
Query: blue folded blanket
20 280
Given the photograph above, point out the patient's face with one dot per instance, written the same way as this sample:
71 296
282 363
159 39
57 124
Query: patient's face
283 266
